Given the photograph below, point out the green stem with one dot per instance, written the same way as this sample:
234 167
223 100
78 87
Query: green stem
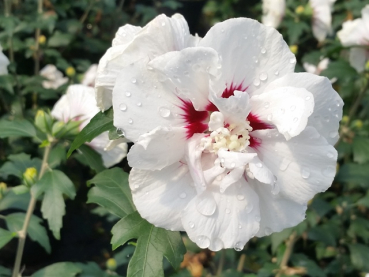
31 206
37 50
221 263
287 253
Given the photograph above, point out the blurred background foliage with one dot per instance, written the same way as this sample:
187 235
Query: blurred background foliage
332 241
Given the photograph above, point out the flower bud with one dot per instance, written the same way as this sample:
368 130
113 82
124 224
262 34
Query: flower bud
61 129
367 66
294 49
30 176
299 10
70 71
345 119
42 39
358 124
43 121
111 264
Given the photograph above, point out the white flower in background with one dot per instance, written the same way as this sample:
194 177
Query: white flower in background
356 33
90 76
54 76
131 43
79 103
4 62
322 18
273 12
316 69
230 143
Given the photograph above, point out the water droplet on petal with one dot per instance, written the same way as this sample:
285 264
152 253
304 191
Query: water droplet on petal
164 112
183 195
256 82
307 98
123 107
266 105
270 117
133 80
130 121
276 73
217 244
257 218
238 246
305 172
240 197
263 76
120 132
228 211
284 164
330 155
139 104
203 241
259 165
137 186
206 204
191 224
239 226
128 94
233 165
249 208
293 60
163 24
263 51
267 231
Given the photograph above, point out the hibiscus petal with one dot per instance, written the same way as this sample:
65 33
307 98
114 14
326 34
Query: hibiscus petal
303 165
229 224
187 73
158 149
161 195
288 108
358 58
252 54
328 104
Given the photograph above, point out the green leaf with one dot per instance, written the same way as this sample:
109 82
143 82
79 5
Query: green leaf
152 244
340 69
12 201
36 231
360 147
54 184
354 173
6 83
359 256
21 189
100 123
112 192
59 39
321 234
5 237
295 30
312 268
65 269
5 271
17 164
57 156
17 128
91 158
278 238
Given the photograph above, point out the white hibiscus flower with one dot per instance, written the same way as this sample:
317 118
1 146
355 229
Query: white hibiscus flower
316 69
90 76
79 103
356 33
322 18
4 62
131 43
54 76
273 12
230 143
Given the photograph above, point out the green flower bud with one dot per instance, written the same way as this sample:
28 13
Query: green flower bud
30 176
111 264
43 121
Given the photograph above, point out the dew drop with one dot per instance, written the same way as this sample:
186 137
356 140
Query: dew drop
228 211
164 112
266 105
128 94
133 80
270 117
284 164
239 226
137 186
293 60
249 208
267 231
217 244
330 155
245 37
233 165
257 218
203 241
307 98
263 51
191 224
139 104
259 165
130 121
120 132
263 76
305 172
256 82
276 73
163 24
238 246
123 107
183 195
240 197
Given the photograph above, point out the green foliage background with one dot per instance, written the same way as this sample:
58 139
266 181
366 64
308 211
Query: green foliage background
332 241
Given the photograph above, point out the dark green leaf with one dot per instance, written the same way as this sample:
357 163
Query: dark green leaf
36 231
359 256
17 128
13 201
152 244
18 164
53 185
91 158
57 156
6 83
4 272
100 123
312 268
5 236
112 192
354 173
65 269
360 147
318 233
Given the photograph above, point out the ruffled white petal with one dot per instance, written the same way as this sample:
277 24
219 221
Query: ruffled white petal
322 18
253 55
358 58
125 34
273 12
4 62
217 220
304 166
288 108
161 35
161 195
160 148
327 102
54 76
90 76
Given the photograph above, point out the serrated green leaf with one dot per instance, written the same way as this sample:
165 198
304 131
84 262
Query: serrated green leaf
57 156
100 123
5 237
112 192
360 148
359 255
354 173
64 269
340 69
53 185
91 158
17 164
152 244
12 201
17 128
36 231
